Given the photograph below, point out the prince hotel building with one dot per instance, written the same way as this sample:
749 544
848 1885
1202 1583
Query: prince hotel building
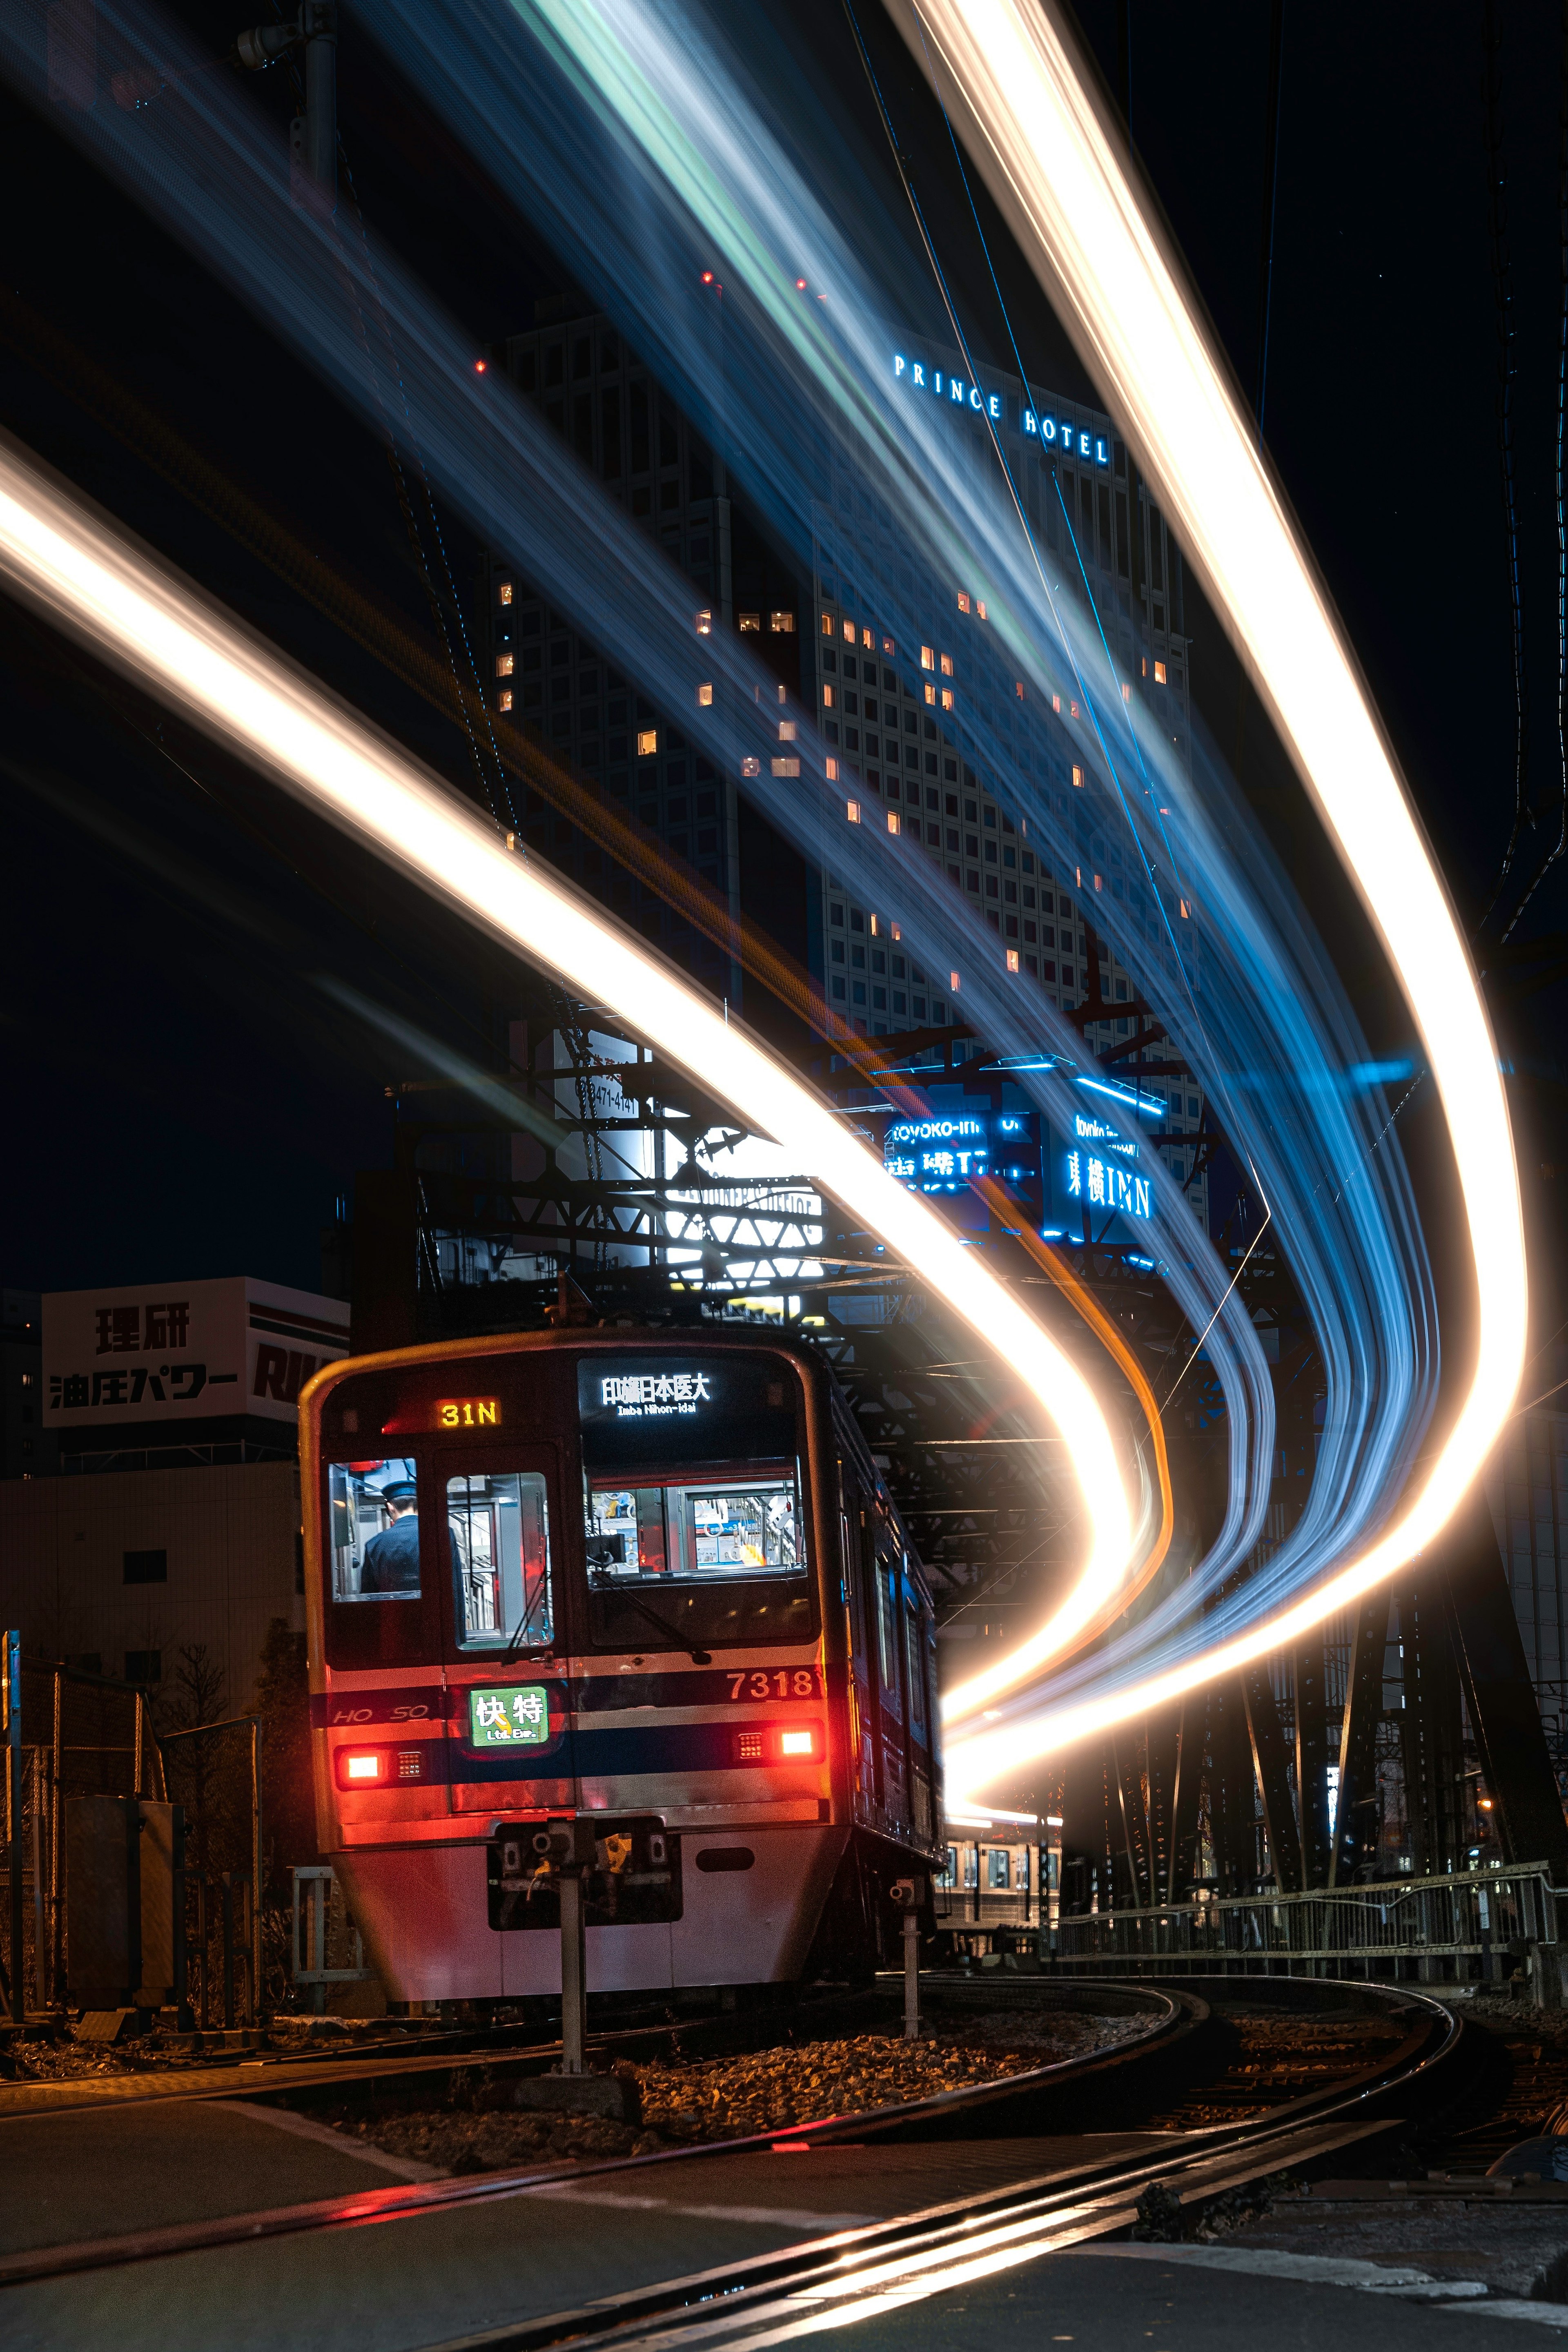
825 638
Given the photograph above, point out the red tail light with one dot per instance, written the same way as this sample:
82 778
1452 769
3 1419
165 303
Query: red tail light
379 1767
776 1743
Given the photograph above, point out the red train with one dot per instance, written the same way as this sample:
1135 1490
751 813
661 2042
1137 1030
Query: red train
650 1579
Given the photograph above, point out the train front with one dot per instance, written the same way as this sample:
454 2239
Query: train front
589 1579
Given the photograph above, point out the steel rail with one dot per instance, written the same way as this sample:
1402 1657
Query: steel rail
1078 2196
857 2273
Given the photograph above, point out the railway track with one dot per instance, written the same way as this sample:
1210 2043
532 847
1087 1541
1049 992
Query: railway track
1226 2087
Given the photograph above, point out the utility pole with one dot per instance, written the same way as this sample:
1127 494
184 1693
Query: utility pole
313 135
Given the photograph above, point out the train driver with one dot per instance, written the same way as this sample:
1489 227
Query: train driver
391 1558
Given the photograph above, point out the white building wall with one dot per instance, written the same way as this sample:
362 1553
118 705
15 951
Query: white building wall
231 1535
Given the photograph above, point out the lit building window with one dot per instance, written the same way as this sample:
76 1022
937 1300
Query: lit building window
927 658
1078 778
647 742
786 730
849 633
833 775
786 767
931 696
1056 702
504 700
894 825
947 697
947 664
963 601
1074 710
852 810
1018 688
705 696
781 623
504 592
888 646
1159 673
827 625
1012 960
704 625
502 664
751 767
1126 693
751 625
868 640
980 610
1184 916
952 982
827 697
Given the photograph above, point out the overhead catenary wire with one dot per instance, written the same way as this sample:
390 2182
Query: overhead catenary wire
1507 369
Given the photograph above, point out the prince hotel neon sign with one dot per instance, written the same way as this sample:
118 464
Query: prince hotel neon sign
1057 433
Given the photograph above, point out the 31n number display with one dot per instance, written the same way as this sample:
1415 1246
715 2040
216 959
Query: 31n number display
467 1412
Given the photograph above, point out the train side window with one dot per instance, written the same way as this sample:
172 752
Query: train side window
888 1634
997 1860
498 1528
372 1508
914 1679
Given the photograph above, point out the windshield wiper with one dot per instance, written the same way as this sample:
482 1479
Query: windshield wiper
698 1657
510 1652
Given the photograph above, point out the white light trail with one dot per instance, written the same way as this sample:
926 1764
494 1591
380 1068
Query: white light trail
1053 163
93 583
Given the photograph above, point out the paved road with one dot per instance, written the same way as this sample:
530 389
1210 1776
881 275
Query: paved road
399 2285
1127 2299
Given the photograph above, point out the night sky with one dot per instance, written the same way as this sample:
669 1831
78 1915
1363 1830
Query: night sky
184 1098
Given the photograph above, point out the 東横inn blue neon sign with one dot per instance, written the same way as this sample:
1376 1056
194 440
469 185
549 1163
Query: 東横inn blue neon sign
1058 432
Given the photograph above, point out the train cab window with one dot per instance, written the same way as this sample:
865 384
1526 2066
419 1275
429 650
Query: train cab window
376 1547
498 1529
693 1517
700 1560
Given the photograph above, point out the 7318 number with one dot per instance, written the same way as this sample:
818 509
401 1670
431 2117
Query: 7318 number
783 1683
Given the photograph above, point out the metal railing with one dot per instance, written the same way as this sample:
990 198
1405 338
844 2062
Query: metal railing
1478 1923
321 1921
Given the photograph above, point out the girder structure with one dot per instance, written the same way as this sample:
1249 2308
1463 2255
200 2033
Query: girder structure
578 1158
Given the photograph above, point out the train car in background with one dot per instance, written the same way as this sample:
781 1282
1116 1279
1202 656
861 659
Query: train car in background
649 1578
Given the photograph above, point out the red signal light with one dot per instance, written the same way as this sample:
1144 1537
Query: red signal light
800 285
708 276
798 1743
361 1771
480 366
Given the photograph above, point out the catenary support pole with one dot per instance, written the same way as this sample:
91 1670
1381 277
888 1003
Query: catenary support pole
13 1814
912 1974
573 1968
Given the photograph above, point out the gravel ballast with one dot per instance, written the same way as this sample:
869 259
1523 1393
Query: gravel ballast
685 2102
